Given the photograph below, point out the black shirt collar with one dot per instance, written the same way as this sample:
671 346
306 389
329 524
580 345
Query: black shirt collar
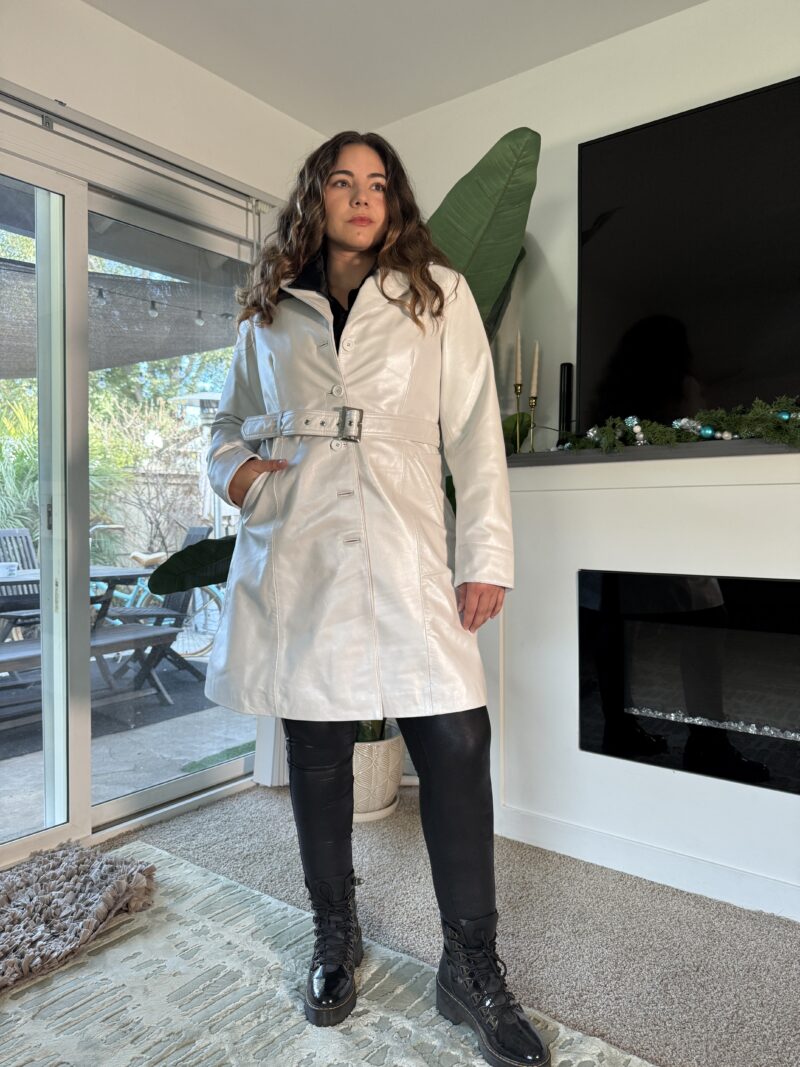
313 276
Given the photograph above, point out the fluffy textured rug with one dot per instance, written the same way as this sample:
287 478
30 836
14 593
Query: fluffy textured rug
213 975
57 900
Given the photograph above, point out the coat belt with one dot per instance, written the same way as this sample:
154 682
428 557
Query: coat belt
345 422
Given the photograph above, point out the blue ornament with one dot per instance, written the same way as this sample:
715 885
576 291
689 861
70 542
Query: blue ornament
784 415
706 431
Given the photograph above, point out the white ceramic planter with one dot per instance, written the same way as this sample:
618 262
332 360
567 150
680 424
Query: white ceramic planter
377 770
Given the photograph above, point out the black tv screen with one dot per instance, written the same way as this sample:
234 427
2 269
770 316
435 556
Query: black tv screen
689 261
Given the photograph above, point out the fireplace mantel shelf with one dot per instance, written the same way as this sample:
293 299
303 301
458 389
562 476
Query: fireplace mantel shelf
692 450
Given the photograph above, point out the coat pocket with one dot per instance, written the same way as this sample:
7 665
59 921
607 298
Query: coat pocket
251 512
431 465
252 492
434 519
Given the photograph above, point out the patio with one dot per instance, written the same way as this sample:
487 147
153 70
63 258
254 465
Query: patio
134 745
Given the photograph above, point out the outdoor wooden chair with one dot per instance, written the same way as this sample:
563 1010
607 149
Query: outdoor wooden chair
19 601
173 611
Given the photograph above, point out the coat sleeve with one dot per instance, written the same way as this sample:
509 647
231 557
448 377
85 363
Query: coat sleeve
241 396
474 449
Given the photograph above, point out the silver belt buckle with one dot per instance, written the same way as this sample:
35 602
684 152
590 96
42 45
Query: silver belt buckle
350 420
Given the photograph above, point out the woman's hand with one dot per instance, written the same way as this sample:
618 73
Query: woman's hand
247 474
478 601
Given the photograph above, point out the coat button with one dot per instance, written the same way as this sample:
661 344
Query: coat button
347 344
337 390
337 444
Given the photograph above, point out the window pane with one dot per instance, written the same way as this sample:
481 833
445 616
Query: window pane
161 329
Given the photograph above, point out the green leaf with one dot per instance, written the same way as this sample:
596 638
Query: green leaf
371 730
480 225
492 323
510 430
204 563
450 490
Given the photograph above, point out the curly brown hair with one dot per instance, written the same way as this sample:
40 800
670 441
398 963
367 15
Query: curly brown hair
300 229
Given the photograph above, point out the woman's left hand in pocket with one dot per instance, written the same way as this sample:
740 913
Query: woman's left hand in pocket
478 601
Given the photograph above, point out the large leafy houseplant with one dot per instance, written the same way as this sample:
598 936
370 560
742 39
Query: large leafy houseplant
480 225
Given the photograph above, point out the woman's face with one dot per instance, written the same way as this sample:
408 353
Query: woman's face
356 187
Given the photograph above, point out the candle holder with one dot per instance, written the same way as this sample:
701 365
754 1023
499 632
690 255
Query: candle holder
517 393
532 405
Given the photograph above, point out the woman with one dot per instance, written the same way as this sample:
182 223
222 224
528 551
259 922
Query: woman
362 367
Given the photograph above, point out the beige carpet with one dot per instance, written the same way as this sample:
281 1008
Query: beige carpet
213 975
678 979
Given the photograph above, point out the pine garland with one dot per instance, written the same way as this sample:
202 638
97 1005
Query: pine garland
778 422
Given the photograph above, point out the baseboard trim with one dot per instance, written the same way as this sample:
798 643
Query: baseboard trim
746 889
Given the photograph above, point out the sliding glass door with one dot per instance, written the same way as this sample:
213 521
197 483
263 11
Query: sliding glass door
117 324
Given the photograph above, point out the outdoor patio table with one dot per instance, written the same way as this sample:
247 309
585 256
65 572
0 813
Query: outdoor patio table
98 572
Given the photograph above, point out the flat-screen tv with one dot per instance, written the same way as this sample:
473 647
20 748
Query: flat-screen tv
689 261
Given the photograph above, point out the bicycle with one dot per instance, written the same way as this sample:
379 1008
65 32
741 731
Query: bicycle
198 621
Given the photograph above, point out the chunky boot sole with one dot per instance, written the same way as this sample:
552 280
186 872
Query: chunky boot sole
336 1013
457 1012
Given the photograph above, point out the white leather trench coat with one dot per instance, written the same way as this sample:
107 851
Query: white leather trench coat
340 600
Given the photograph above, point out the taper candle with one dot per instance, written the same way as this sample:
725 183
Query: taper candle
535 372
518 365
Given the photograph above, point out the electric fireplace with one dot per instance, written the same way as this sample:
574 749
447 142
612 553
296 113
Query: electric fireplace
698 673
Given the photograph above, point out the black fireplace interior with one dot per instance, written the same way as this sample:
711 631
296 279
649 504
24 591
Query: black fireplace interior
692 672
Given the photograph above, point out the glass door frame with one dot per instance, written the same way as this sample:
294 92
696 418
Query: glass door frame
67 763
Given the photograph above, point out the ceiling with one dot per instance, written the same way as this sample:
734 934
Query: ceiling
347 65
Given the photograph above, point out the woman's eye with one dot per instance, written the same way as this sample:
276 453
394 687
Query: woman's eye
380 185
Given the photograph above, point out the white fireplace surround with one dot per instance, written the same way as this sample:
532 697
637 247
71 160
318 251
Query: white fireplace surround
724 515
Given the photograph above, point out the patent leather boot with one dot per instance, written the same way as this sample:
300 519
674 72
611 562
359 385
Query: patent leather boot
338 950
471 989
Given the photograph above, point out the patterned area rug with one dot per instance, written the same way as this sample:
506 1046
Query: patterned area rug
213 975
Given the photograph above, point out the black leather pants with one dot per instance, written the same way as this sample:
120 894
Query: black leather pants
451 756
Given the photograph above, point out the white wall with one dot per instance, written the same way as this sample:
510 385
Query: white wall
68 51
708 52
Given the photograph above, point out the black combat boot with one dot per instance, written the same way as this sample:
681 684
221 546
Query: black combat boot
470 988
338 950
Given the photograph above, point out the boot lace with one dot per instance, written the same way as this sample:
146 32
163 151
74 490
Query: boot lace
334 928
484 965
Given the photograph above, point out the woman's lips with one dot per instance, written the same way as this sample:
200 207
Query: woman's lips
361 222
